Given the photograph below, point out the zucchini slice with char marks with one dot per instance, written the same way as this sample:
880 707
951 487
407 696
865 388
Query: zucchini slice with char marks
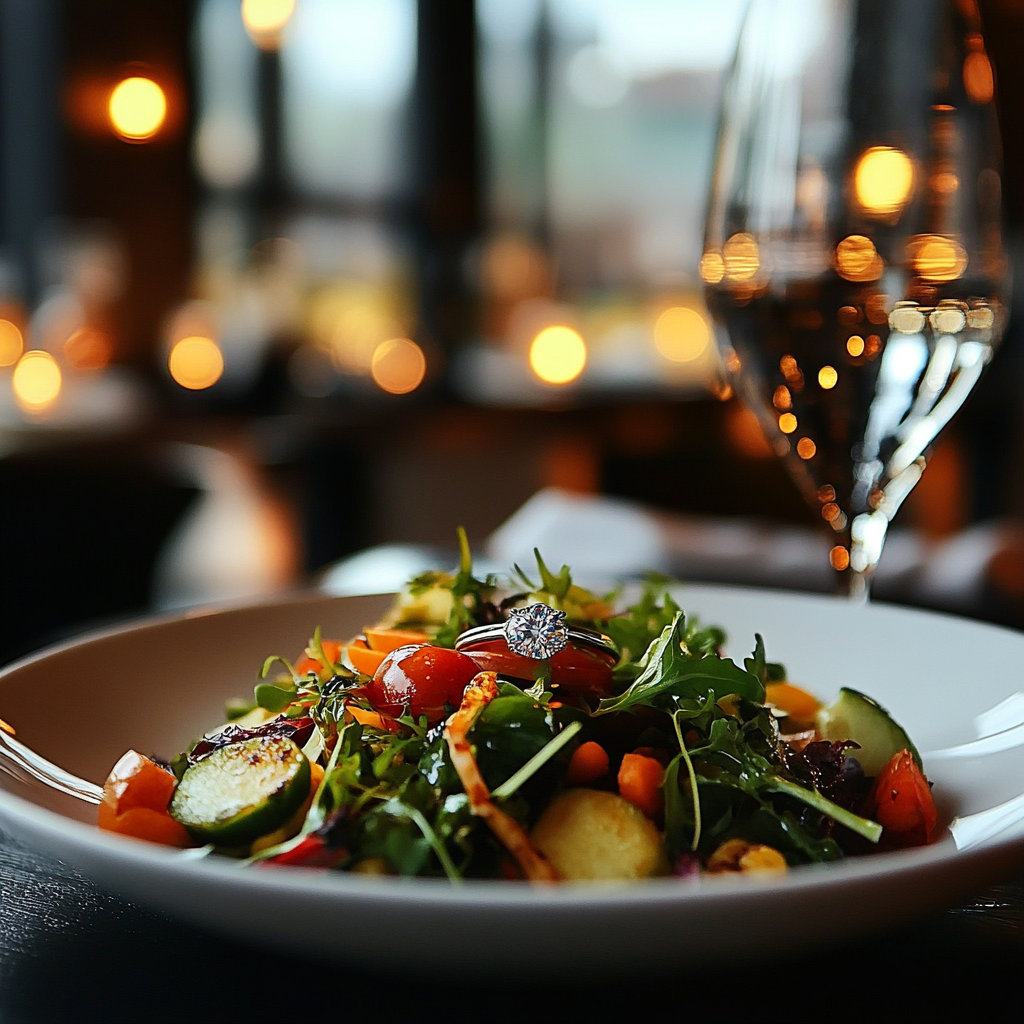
242 791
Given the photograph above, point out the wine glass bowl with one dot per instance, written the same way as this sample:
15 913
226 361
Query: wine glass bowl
853 259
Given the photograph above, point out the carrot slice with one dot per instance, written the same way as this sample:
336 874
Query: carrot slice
388 640
587 764
363 659
796 702
640 779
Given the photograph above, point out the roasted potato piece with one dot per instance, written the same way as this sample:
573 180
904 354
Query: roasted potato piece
737 855
591 835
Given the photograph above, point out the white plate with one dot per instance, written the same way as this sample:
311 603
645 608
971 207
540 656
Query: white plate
156 685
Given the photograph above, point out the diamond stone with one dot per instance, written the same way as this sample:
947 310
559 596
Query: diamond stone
536 632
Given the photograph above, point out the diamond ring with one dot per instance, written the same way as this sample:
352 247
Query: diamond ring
538 632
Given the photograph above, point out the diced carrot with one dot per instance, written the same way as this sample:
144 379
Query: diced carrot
640 780
796 702
587 764
307 664
136 781
363 659
388 640
145 823
135 799
901 802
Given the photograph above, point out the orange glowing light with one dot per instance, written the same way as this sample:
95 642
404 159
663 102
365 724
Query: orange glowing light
883 181
11 343
806 448
745 433
36 380
848 315
681 334
558 355
741 257
937 257
945 182
782 399
137 108
265 20
858 260
398 366
877 307
196 363
88 349
872 346
712 267
855 345
827 377
826 493
787 423
839 557
978 78
829 511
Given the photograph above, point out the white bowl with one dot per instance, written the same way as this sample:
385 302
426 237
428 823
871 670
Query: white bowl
156 685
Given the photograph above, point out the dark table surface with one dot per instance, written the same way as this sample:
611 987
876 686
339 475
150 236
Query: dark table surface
71 952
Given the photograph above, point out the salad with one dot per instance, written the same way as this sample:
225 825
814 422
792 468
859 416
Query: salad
528 729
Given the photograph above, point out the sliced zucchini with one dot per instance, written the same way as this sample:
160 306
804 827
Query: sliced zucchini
242 791
857 717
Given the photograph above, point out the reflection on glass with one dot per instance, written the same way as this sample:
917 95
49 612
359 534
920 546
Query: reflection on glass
855 208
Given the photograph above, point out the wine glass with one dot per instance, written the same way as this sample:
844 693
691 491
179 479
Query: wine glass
853 261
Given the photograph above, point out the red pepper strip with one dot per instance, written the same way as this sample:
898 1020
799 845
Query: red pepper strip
481 691
312 852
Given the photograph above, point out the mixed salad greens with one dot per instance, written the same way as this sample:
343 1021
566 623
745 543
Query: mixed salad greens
395 754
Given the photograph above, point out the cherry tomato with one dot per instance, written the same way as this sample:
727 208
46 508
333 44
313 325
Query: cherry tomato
575 668
422 677
901 802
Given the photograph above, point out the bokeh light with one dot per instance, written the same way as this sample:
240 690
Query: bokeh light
741 257
858 260
883 180
11 343
398 366
855 345
137 108
827 377
196 363
787 423
265 20
558 355
782 399
681 334
839 557
806 448
712 267
937 257
978 78
36 380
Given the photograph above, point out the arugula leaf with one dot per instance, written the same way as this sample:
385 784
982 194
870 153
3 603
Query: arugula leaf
756 775
470 597
274 698
669 670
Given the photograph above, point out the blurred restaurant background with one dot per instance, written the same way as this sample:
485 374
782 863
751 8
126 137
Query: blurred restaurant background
285 282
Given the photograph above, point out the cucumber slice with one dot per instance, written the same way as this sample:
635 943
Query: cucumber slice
857 717
242 791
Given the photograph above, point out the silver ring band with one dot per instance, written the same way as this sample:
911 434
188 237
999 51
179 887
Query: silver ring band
538 631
